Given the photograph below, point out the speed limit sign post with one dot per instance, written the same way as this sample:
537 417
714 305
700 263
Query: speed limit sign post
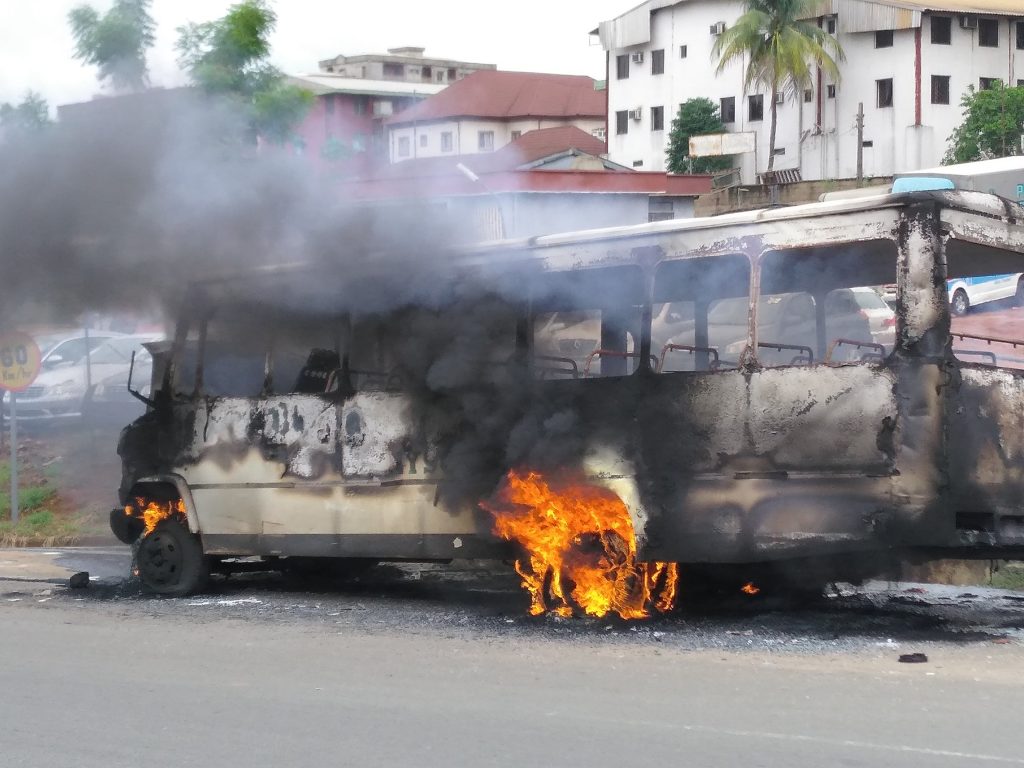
19 365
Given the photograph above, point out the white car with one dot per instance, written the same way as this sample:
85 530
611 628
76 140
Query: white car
967 292
60 389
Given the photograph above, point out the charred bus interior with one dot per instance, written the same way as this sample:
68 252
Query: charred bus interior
735 385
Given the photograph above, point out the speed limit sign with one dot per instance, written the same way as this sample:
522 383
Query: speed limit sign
19 361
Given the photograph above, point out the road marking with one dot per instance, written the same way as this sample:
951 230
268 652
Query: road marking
853 743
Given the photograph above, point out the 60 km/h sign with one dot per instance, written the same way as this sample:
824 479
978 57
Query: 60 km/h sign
19 361
19 366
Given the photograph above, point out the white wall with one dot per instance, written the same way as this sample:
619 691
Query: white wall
530 214
465 135
898 144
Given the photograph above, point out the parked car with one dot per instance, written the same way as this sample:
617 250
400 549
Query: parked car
64 383
58 349
110 403
967 292
790 320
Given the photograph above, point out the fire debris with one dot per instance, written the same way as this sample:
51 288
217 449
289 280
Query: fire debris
913 658
750 588
79 580
581 549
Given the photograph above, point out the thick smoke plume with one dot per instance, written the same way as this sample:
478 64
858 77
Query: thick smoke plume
127 199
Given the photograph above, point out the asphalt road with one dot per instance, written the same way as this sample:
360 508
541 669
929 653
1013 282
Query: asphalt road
428 666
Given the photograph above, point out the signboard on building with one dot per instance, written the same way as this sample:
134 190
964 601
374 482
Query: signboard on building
714 144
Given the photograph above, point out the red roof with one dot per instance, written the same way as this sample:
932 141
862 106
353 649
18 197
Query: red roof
502 95
544 142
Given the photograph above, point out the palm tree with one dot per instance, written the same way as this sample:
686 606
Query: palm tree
781 45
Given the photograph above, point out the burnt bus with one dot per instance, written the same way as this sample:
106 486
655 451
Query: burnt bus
301 414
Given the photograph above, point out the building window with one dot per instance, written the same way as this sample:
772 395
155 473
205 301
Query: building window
727 109
942 30
1020 35
403 146
682 48
440 76
423 140
779 151
987 83
780 98
830 25
516 135
660 209
808 96
361 104
658 62
485 141
755 107
883 38
988 33
622 122
446 141
657 118
622 66
940 89
394 70
883 90
830 91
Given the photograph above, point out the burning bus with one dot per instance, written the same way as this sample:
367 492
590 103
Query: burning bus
311 416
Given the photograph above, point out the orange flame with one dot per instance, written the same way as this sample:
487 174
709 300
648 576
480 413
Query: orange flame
153 512
582 549
750 588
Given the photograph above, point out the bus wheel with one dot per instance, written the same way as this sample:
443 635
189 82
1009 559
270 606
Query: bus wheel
170 560
960 303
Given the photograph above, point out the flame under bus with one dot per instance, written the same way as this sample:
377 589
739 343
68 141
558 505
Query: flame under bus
712 374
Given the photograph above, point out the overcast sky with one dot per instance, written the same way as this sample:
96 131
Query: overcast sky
531 35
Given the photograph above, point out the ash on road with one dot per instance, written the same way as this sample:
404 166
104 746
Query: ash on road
432 666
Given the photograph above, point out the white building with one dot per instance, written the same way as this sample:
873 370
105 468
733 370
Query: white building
405 64
907 61
488 110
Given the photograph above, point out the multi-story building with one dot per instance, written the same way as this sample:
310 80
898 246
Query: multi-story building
401 64
344 130
487 110
908 62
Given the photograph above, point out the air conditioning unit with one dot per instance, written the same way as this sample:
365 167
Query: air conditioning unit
636 114
637 57
968 21
718 28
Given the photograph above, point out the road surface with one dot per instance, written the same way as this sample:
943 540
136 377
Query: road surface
429 666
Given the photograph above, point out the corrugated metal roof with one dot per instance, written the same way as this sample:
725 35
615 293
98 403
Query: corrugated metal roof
634 26
322 84
995 7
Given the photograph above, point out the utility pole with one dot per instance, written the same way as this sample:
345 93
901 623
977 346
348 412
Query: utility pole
860 143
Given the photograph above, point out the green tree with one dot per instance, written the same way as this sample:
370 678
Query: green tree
230 57
30 116
781 46
992 125
116 41
696 117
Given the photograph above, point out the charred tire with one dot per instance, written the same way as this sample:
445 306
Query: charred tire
171 562
125 527
960 303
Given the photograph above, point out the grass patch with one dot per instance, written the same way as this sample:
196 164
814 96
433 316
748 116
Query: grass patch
1009 576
